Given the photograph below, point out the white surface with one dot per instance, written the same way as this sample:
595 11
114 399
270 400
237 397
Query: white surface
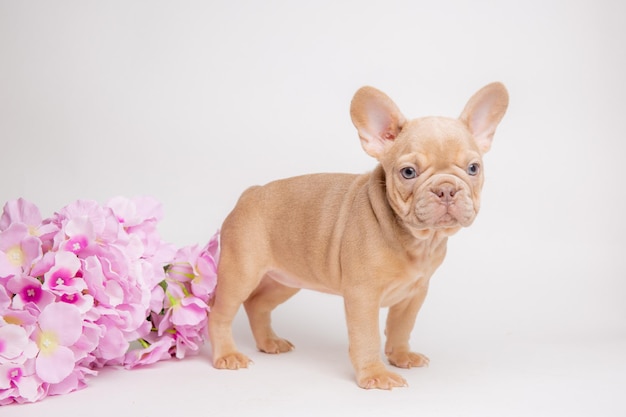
191 102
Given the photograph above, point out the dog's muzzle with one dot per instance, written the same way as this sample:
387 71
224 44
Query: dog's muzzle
445 201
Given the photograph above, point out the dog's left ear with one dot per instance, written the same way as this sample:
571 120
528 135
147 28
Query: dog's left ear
484 111
377 119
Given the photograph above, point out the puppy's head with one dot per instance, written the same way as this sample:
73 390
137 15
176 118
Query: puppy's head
433 165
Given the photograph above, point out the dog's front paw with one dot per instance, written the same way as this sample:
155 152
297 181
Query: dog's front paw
275 345
381 379
233 361
407 359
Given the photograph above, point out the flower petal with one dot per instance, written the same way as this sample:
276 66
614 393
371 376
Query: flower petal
112 345
115 293
75 381
157 351
29 389
7 268
32 250
12 236
13 341
64 321
189 313
80 228
5 375
5 299
55 367
156 299
21 211
68 260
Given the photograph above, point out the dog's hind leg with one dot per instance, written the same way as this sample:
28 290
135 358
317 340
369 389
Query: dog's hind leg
265 298
236 280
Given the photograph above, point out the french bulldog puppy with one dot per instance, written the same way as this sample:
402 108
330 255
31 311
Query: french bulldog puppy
375 239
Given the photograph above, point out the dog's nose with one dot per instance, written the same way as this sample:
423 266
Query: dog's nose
445 192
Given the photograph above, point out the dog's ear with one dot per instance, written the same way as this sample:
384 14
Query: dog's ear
484 111
377 119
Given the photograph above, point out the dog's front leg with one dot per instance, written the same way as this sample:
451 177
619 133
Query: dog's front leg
400 322
362 312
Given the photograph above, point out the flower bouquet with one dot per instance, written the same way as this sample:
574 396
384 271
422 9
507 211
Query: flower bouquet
93 286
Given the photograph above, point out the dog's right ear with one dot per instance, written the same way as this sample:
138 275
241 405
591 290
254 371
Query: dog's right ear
377 119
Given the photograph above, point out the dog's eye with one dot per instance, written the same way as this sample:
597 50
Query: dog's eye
408 173
473 169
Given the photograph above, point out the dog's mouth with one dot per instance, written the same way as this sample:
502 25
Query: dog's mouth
446 220
431 212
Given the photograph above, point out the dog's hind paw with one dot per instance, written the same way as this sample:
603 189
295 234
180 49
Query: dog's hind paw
232 361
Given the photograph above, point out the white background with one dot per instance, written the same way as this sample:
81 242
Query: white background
191 102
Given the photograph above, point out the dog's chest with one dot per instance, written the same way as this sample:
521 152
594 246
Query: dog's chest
412 275
394 294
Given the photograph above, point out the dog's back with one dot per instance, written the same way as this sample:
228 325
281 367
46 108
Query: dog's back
295 223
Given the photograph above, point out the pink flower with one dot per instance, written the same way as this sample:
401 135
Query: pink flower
190 311
18 383
133 212
74 381
26 318
132 320
185 317
190 338
62 277
24 212
104 291
102 221
80 234
183 310
139 217
77 288
112 345
87 343
18 250
198 266
157 351
20 211
156 299
83 302
42 265
76 244
204 283
181 269
85 223
29 290
60 326
13 343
